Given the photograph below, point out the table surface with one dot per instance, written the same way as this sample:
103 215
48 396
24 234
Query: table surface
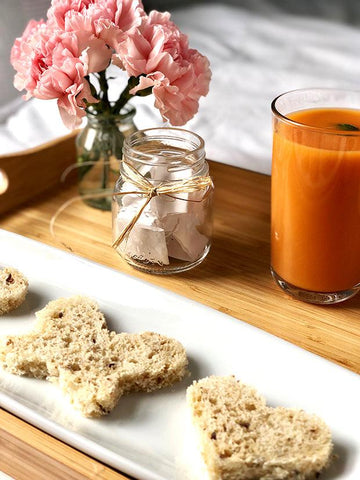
234 279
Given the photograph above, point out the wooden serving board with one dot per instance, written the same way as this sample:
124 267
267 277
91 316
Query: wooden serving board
35 170
234 279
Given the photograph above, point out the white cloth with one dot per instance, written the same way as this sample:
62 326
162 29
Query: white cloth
255 55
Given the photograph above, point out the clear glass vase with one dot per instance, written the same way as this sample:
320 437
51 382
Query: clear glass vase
99 146
172 229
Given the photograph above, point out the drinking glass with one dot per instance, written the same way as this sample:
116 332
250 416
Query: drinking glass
315 194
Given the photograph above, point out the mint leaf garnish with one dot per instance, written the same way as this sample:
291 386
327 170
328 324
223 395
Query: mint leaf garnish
347 127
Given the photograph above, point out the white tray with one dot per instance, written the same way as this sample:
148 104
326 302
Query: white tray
143 436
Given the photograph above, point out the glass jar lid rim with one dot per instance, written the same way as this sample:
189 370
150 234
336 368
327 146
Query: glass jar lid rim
195 144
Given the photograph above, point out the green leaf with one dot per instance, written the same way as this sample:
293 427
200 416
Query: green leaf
347 127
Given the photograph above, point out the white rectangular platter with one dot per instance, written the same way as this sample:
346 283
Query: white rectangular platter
144 436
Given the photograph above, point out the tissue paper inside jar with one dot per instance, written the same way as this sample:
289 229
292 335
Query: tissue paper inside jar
168 227
171 226
145 242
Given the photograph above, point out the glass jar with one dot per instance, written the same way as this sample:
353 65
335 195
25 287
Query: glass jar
170 228
99 146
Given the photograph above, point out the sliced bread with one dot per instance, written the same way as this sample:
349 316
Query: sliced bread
240 438
13 289
72 346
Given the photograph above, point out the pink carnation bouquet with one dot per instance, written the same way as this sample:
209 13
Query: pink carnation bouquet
67 57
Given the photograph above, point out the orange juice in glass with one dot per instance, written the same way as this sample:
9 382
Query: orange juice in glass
315 194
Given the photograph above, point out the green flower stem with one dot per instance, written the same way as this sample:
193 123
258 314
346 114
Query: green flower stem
125 95
92 88
104 104
104 88
105 173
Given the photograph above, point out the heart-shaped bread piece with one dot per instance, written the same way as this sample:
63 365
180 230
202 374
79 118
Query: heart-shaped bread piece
71 345
241 438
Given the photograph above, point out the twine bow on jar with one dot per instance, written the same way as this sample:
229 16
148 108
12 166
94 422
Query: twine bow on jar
145 188
149 191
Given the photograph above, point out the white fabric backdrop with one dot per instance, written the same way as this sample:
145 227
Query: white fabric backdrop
255 55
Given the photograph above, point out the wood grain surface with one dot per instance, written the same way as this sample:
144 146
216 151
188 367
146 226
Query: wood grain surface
234 279
35 170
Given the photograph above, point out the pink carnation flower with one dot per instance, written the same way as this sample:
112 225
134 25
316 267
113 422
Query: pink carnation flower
159 53
121 15
97 49
49 65
54 59
29 55
98 24
178 100
150 46
57 13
